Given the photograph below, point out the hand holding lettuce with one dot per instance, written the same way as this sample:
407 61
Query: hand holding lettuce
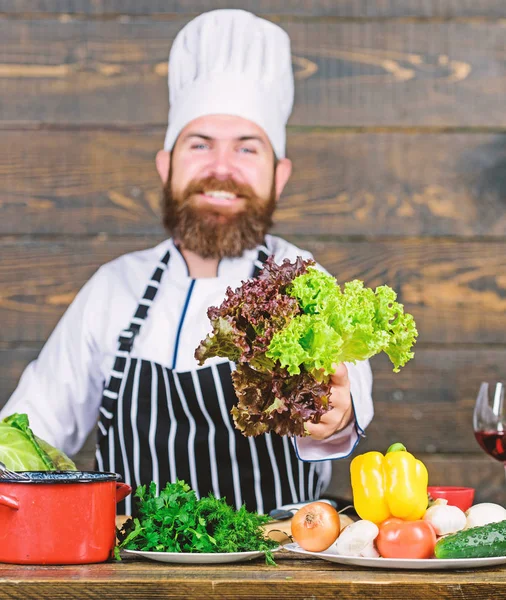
286 329
21 450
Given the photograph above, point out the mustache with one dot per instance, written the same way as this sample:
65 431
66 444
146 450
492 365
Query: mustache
213 184
196 231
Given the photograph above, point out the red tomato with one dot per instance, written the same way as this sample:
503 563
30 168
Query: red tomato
316 526
406 539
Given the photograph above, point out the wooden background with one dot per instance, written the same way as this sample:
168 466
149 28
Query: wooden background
399 143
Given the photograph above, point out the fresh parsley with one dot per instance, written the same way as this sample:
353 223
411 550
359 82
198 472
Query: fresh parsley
176 521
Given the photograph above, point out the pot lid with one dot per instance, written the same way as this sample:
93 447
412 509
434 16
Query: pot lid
63 477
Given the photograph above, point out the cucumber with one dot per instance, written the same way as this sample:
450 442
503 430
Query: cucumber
477 542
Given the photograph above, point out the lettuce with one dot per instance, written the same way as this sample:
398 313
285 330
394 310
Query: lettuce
277 401
342 326
244 324
287 329
21 450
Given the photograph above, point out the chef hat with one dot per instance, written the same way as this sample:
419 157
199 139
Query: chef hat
234 63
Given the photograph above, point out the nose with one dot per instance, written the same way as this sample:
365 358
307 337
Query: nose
221 165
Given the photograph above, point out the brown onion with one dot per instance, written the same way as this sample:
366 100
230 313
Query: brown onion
316 526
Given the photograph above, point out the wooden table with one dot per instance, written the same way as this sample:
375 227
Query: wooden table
294 578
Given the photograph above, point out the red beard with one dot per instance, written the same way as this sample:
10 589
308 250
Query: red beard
216 232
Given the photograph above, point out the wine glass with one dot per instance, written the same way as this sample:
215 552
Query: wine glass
489 421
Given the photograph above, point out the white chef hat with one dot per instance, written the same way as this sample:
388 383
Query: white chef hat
235 63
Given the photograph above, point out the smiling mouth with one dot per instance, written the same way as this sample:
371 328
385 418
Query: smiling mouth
220 194
222 200
219 197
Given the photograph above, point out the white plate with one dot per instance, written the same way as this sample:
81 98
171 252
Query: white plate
198 558
402 563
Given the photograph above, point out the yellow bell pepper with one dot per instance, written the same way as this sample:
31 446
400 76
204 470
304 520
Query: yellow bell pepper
394 485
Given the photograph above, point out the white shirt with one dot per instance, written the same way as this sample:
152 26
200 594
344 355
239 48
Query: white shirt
61 390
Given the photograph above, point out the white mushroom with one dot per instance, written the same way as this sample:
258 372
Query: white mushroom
357 540
485 513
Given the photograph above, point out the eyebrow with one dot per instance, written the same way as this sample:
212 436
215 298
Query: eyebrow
208 138
247 138
198 135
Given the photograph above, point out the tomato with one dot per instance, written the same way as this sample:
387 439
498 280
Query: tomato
406 539
316 526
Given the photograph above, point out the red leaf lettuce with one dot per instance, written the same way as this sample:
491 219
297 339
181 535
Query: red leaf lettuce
287 328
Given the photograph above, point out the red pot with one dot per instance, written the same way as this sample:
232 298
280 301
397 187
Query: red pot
59 517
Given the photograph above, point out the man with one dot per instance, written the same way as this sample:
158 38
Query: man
124 350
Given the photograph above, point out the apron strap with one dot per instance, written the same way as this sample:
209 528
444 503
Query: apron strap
263 255
127 336
125 342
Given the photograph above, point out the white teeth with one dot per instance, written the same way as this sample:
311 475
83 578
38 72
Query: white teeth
220 194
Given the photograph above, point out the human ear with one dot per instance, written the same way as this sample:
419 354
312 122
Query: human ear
282 175
162 162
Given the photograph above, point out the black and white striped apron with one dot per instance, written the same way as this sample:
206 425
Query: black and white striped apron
160 424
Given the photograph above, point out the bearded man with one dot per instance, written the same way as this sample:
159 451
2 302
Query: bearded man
123 353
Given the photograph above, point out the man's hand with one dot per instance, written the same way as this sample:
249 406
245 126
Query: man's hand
342 410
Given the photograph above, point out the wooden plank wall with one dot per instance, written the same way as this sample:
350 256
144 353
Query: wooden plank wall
399 143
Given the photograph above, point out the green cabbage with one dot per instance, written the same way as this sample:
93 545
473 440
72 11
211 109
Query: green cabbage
21 450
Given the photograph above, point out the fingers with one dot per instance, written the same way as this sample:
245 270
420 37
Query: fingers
340 400
340 375
331 422
319 431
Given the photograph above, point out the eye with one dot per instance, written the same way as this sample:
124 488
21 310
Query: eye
200 146
247 150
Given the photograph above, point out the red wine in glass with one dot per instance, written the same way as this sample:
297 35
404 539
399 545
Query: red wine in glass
493 442
489 421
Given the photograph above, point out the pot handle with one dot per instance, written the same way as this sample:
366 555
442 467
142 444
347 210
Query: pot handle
9 501
122 491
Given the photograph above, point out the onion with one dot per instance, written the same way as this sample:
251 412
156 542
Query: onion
316 526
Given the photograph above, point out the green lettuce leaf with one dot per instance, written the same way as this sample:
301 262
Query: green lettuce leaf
59 459
17 452
21 450
341 326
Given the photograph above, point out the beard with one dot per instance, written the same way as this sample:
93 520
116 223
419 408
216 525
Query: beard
215 232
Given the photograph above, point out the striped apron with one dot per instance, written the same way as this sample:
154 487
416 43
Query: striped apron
160 424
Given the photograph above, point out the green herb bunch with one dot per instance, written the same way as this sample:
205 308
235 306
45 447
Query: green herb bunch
176 521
